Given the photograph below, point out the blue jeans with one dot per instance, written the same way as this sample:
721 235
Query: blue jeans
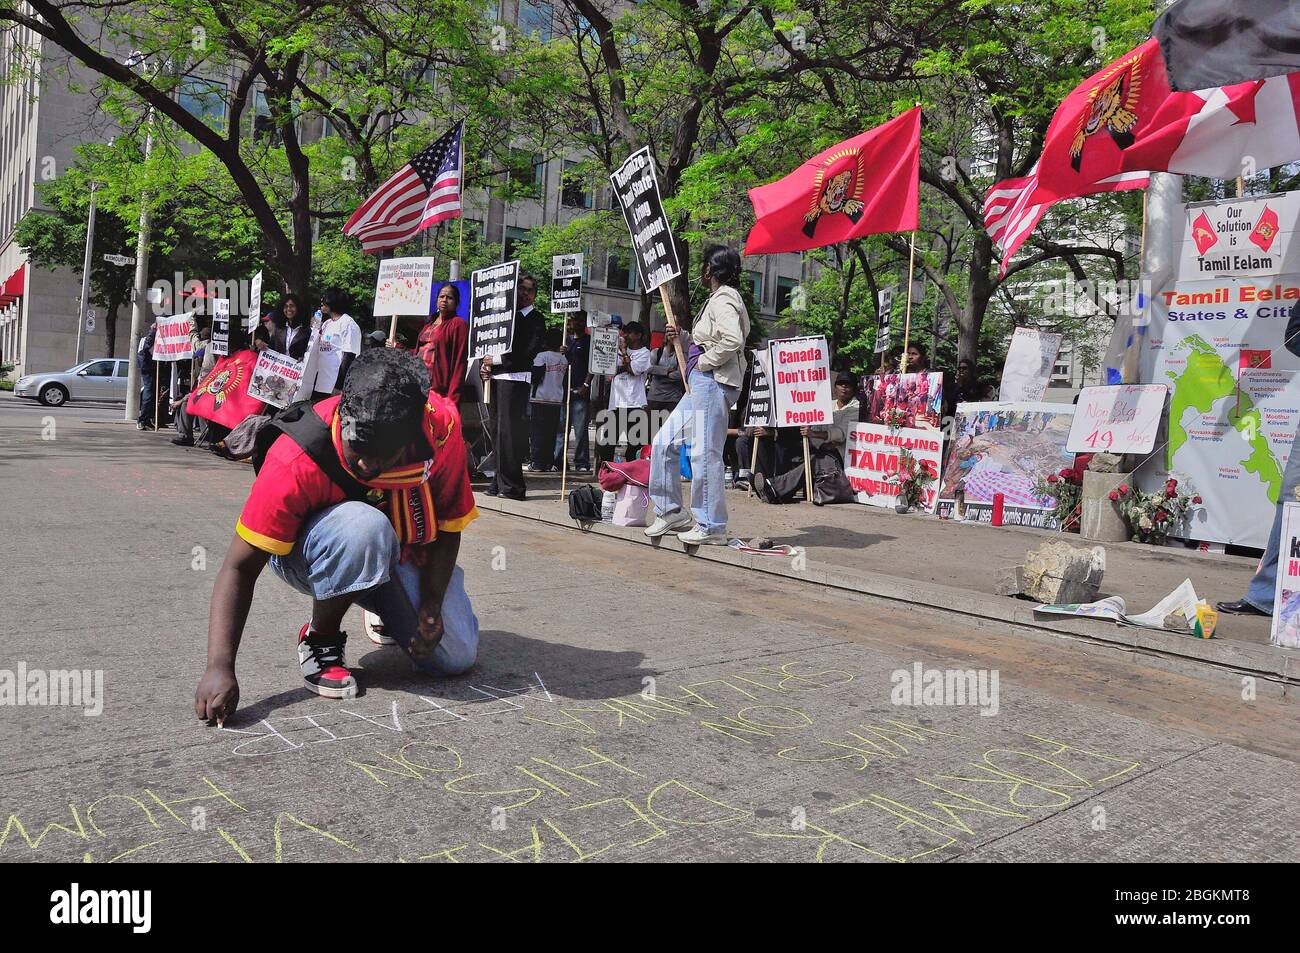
577 416
1262 587
352 548
699 419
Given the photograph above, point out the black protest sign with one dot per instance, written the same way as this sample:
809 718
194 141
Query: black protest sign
220 341
885 307
492 309
758 412
637 191
566 283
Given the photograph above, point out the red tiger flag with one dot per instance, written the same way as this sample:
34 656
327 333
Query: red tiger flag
864 186
1255 360
222 396
1265 229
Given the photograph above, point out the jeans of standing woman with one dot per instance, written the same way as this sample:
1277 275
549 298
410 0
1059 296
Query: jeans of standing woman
1263 586
700 420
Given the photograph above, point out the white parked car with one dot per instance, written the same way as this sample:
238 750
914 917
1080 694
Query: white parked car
103 379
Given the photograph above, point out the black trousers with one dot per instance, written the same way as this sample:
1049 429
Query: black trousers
510 435
545 427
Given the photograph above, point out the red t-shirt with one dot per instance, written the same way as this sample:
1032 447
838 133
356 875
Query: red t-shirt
290 486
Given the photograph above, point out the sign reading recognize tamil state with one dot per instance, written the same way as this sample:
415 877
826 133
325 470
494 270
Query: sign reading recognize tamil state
1121 418
800 371
404 287
566 283
604 350
492 293
759 411
276 378
871 462
637 191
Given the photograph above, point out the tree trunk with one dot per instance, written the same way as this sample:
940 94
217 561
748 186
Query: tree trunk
110 325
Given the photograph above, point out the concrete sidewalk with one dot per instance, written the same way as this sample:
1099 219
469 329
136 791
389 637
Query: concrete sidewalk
921 559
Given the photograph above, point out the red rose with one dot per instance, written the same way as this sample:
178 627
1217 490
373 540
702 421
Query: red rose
1197 500
1170 493
1123 489
1161 516
1053 478
1065 472
1114 496
1173 482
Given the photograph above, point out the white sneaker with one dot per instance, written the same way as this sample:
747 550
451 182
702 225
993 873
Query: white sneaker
697 537
375 630
662 527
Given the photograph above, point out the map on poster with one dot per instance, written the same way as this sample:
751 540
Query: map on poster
1005 448
1217 343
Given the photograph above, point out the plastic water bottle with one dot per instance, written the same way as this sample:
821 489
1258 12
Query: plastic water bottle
607 501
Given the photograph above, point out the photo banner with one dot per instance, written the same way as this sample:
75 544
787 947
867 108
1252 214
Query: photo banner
800 370
637 192
1286 599
566 283
492 293
1005 448
759 410
604 350
173 341
276 379
1031 359
872 462
902 400
404 287
1121 418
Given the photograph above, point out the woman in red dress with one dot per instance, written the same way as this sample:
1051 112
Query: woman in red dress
443 345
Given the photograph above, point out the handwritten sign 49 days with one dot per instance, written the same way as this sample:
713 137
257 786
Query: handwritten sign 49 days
1120 419
800 371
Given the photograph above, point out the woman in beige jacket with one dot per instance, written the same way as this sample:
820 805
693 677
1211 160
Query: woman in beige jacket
715 369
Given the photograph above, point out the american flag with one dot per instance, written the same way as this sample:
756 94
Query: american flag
1010 218
421 193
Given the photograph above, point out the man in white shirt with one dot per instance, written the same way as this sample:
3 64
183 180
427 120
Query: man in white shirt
340 343
627 420
512 374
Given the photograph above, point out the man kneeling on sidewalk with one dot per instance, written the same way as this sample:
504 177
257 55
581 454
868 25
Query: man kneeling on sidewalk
361 500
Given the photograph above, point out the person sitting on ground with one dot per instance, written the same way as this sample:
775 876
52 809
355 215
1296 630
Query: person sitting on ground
826 446
386 438
715 370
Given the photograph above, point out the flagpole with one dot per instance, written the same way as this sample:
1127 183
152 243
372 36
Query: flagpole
1128 373
907 323
567 407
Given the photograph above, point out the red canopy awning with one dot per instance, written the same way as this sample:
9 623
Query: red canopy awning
15 284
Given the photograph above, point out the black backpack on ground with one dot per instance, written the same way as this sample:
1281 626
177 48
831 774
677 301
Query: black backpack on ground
584 503
301 424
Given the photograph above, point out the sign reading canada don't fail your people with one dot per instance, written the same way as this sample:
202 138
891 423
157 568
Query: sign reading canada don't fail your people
800 372
637 191
492 293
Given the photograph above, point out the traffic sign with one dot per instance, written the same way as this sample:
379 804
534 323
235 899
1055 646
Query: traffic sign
119 260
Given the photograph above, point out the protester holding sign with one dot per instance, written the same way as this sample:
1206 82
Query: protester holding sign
577 350
308 514
627 421
292 331
511 373
443 345
340 343
715 371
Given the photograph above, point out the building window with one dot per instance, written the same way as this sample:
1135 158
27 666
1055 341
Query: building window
527 173
535 19
754 281
620 271
573 194
514 238
204 99
784 292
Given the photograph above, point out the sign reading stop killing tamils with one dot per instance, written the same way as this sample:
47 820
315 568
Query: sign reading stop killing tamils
637 191
800 371
492 293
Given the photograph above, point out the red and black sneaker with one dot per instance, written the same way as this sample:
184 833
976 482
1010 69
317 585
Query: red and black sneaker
322 664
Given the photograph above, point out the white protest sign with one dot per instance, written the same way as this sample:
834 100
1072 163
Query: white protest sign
173 341
220 341
276 378
1123 418
871 462
1286 598
598 319
758 412
801 381
604 350
404 287
254 302
637 192
1028 369
492 294
885 310
566 283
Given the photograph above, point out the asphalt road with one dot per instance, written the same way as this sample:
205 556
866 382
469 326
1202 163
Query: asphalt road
628 705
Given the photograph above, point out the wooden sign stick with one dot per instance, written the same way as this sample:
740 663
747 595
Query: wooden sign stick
677 342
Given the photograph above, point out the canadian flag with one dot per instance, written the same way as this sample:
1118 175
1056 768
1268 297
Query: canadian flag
1126 118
